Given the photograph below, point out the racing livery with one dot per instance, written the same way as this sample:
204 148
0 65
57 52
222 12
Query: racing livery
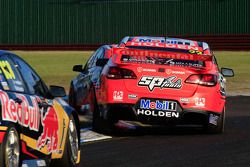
36 126
157 81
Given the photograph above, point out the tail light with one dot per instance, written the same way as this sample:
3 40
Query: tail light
202 79
120 73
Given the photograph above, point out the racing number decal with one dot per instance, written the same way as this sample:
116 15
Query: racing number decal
195 52
7 70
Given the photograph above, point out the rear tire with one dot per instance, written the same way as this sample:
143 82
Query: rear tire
96 125
96 119
102 125
10 150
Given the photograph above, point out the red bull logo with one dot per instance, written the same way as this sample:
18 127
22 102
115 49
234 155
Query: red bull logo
50 131
25 114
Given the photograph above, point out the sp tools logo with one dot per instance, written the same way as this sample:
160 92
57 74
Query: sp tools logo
160 82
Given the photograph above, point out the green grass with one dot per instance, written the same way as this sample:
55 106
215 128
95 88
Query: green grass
55 67
240 63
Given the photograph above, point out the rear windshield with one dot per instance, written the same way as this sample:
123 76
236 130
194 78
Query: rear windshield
162 61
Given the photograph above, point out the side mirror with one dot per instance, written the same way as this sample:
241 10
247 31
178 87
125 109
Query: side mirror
77 68
57 91
227 72
101 62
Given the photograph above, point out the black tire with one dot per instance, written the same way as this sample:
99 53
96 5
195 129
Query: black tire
96 120
12 139
219 129
99 124
96 116
102 125
70 155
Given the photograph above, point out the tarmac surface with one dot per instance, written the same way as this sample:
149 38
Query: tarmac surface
183 148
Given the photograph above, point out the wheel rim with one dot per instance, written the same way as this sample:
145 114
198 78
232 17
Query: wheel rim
12 149
73 140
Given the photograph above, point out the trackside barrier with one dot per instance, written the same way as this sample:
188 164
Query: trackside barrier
216 42
48 47
224 42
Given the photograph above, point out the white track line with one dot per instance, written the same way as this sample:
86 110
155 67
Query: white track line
87 135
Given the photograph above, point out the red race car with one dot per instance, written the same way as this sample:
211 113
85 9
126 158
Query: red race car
158 81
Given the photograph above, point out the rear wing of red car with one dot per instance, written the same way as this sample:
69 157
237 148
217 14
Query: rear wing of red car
138 55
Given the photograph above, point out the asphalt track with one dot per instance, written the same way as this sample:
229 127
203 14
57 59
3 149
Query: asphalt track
168 148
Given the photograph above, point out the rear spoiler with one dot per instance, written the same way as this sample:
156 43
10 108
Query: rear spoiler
141 54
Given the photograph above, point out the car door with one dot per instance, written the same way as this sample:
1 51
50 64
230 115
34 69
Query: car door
84 84
46 140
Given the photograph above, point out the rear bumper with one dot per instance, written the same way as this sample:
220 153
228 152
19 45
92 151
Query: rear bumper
188 117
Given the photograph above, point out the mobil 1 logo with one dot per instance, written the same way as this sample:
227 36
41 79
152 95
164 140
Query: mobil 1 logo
157 108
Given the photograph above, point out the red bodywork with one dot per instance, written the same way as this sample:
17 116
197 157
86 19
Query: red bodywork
156 84
189 96
154 81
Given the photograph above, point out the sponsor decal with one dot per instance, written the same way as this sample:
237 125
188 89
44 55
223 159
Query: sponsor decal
118 95
186 64
157 40
5 85
41 163
213 119
16 82
163 45
164 40
19 88
180 41
184 100
49 135
168 71
158 105
160 82
200 102
140 56
140 69
132 96
157 108
25 114
158 113
178 72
